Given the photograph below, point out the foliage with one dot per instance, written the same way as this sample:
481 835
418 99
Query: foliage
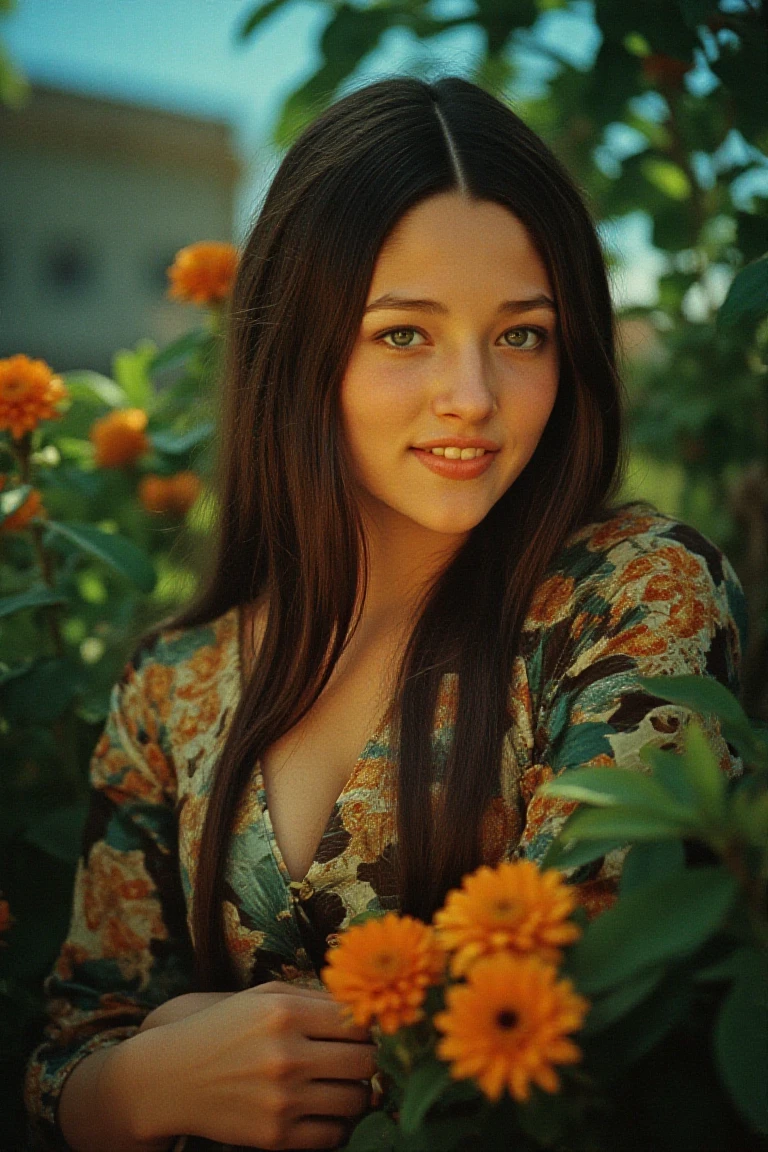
667 120
109 546
14 87
674 1046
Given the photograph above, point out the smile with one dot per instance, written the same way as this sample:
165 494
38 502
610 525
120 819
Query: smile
455 463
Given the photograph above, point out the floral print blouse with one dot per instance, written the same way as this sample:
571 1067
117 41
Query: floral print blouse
640 594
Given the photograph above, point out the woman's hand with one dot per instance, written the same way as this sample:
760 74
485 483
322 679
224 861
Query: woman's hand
181 1006
272 1067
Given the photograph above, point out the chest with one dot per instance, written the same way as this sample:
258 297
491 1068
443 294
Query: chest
306 770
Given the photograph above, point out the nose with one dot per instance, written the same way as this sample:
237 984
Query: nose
466 389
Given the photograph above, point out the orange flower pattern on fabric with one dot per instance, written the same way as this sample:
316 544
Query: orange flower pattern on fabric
508 1026
514 907
381 971
29 393
119 437
169 495
203 273
573 698
32 506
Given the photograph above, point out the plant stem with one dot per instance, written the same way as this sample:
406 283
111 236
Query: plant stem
23 453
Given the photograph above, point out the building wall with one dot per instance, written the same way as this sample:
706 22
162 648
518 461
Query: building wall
96 199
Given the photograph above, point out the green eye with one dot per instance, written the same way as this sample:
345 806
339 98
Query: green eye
525 338
395 335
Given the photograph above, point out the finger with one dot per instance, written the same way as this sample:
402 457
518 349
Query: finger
283 987
335 1098
318 1133
330 1021
335 1060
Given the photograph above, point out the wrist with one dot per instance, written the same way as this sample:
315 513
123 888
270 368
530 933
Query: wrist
138 1082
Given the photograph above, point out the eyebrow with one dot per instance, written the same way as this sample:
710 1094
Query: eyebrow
405 304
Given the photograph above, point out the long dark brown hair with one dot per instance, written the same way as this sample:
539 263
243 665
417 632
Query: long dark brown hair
289 527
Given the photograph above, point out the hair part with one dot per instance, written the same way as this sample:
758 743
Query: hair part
290 529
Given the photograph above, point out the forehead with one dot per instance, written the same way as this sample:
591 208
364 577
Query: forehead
452 238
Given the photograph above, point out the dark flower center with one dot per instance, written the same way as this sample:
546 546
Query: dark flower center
506 1019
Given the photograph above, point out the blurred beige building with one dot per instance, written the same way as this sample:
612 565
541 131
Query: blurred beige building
95 198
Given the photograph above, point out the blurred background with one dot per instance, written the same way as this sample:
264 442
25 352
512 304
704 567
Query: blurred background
134 130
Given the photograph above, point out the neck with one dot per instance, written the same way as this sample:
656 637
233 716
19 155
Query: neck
403 560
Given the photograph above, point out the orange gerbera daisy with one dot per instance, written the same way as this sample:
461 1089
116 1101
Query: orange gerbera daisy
382 969
170 495
29 393
514 907
32 506
119 437
203 273
507 1026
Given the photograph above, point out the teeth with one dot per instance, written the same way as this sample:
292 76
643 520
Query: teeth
458 453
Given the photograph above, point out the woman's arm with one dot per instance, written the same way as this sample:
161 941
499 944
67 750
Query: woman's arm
271 1067
127 948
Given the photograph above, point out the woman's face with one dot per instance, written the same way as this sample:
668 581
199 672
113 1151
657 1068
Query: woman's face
455 370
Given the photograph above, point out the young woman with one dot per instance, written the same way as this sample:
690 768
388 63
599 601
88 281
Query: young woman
424 603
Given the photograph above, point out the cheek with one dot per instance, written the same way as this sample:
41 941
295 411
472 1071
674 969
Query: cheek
372 404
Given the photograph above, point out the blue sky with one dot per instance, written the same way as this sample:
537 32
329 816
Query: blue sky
183 55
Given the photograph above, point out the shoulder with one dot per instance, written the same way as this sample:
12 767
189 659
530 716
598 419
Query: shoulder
169 659
637 547
639 583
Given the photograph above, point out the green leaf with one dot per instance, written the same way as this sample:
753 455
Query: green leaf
375 1133
257 17
131 369
668 177
93 388
42 694
34 598
11 499
741 1039
564 854
366 915
667 770
656 923
180 350
59 832
708 696
747 298
120 554
647 863
613 787
423 1088
608 1009
704 773
176 443
623 824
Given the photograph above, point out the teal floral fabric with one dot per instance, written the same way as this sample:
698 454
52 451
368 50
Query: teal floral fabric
637 595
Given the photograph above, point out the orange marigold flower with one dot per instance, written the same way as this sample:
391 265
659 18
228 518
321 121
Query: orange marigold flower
5 916
508 1025
29 393
203 273
119 437
32 506
169 495
382 969
514 907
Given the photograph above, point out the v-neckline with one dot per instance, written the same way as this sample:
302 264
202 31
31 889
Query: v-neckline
303 887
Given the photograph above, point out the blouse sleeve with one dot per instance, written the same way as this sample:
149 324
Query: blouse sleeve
127 949
661 604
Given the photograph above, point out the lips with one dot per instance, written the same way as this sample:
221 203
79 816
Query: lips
458 442
455 469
